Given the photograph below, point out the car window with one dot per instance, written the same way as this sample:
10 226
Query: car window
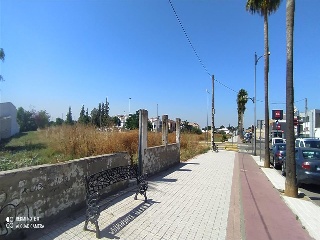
297 143
301 144
317 154
311 154
312 144
278 141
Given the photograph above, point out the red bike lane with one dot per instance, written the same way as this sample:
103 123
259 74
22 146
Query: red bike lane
261 211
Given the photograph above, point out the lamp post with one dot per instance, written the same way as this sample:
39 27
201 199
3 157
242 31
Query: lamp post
129 105
256 59
207 115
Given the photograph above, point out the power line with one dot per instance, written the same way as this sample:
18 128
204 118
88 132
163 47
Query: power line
188 39
225 86
193 48
286 103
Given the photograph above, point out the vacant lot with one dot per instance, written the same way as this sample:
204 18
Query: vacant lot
58 144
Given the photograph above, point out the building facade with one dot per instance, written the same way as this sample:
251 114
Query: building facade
8 120
310 123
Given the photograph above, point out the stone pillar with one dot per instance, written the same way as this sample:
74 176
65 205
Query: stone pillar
165 130
178 121
143 131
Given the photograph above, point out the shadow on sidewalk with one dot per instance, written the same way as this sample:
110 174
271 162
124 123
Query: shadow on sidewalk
76 219
111 230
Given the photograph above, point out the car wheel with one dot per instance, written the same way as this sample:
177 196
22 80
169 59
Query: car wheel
283 169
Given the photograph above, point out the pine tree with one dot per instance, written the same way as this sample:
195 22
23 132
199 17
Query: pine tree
82 119
69 117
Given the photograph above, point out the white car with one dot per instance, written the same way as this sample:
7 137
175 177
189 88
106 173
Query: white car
277 140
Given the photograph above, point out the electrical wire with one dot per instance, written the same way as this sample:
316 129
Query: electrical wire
193 48
188 39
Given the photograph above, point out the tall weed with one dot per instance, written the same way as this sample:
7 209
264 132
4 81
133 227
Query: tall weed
58 144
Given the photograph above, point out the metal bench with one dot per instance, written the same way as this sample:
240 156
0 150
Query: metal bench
97 182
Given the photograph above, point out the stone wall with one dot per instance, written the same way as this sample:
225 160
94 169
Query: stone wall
48 191
51 191
156 159
160 158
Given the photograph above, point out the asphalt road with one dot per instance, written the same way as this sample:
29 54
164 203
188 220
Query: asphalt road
312 191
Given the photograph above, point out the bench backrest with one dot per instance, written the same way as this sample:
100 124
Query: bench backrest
100 180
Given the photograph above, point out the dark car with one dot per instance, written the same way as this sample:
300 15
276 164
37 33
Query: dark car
278 153
307 165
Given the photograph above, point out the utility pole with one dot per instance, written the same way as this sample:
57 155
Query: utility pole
305 117
157 127
212 123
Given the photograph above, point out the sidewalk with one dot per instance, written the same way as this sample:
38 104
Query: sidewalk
190 201
223 195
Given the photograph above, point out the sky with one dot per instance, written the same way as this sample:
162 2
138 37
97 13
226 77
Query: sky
61 53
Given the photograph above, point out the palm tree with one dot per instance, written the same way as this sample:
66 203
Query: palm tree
242 99
265 8
291 188
2 55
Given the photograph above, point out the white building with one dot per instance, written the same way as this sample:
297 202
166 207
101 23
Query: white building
311 123
8 120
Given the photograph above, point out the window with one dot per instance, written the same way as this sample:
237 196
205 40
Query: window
313 144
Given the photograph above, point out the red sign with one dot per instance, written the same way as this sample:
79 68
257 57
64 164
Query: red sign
277 114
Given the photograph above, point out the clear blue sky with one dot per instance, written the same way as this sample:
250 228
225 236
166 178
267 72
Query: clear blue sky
62 53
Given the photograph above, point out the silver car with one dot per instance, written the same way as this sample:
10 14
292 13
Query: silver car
307 165
278 153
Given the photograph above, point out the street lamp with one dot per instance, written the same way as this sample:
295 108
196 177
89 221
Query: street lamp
207 115
256 59
129 105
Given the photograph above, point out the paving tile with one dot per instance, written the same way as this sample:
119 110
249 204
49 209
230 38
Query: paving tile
183 205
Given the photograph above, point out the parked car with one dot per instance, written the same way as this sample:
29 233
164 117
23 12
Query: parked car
307 165
247 138
307 142
276 140
278 153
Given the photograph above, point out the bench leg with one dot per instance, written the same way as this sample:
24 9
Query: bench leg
97 230
85 228
145 196
136 196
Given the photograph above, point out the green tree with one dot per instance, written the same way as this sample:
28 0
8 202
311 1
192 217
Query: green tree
132 122
2 56
26 120
242 99
185 127
59 121
291 188
42 119
87 117
116 121
84 116
95 118
69 120
196 130
264 8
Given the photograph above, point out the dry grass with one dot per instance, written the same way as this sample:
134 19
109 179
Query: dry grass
83 141
58 144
